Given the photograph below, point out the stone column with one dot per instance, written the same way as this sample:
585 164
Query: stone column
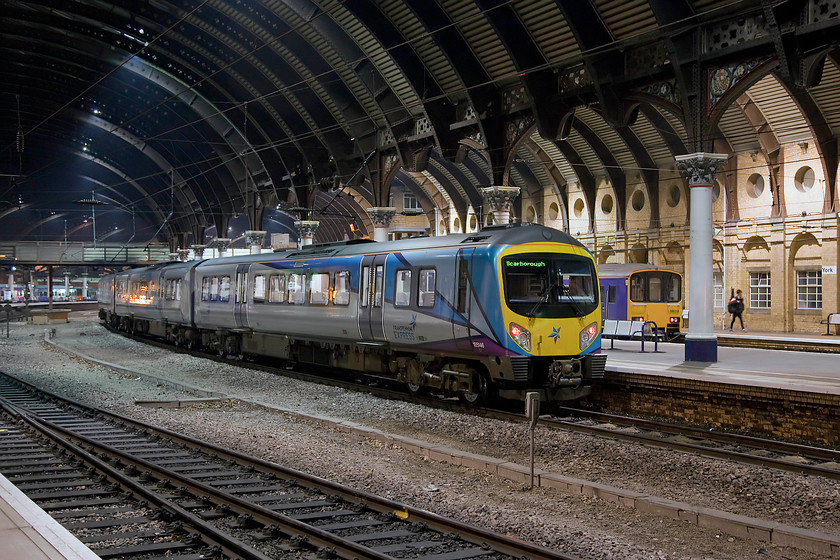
84 287
198 251
306 229
700 170
500 199
12 286
66 287
381 216
222 244
255 240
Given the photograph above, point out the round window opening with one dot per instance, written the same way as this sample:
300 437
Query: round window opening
473 222
607 204
804 179
715 191
674 195
755 185
553 211
579 207
638 200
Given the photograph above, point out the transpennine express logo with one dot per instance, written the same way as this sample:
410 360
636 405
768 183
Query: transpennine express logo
555 334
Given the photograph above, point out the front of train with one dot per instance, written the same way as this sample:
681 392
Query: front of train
552 317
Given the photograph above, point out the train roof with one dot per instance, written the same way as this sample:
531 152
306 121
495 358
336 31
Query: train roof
511 234
626 269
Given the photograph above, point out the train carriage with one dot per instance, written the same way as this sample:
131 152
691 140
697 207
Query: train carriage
641 292
499 312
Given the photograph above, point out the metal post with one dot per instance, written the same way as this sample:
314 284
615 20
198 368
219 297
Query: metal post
532 411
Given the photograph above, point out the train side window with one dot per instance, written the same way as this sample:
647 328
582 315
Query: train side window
319 289
277 288
365 286
224 289
178 290
342 288
611 292
402 292
297 289
205 288
637 288
378 282
259 288
426 291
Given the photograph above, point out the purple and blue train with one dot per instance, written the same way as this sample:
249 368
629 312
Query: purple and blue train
496 313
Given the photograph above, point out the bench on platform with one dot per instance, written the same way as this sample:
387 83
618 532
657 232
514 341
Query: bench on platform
630 330
833 320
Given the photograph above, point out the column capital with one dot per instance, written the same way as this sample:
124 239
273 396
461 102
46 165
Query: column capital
183 255
500 197
306 230
382 215
198 250
255 237
700 168
221 243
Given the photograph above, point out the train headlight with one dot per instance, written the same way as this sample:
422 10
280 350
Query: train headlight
587 335
638 318
521 336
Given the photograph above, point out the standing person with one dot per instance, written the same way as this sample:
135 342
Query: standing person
736 308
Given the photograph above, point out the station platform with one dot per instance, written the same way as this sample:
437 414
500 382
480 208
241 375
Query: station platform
810 371
28 533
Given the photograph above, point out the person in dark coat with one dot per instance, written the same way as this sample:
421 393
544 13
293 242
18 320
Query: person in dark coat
736 308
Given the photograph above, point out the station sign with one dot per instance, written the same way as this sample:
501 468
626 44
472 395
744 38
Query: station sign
829 270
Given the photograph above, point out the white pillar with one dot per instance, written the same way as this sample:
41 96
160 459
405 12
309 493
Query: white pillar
500 199
306 229
255 240
700 169
66 287
84 287
381 216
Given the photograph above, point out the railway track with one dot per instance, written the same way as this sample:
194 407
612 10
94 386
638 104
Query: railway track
741 448
134 491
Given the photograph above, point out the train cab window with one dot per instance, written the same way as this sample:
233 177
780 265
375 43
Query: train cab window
342 288
379 281
319 289
402 292
277 288
259 288
224 288
297 289
655 288
426 290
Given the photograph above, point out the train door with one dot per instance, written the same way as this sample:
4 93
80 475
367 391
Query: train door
462 331
611 307
372 297
240 296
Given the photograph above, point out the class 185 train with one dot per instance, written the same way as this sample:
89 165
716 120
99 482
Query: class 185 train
642 292
497 313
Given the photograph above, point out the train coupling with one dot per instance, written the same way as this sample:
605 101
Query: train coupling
565 373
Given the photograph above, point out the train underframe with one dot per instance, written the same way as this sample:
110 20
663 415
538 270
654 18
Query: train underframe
474 379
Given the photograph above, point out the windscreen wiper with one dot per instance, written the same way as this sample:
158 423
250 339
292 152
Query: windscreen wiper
543 298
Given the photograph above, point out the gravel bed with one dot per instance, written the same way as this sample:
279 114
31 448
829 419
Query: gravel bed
587 527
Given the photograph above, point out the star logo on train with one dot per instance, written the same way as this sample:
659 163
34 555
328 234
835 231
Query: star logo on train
555 334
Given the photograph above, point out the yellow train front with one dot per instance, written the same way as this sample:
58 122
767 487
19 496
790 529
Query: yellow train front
641 292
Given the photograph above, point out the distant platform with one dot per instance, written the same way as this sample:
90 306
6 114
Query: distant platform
782 369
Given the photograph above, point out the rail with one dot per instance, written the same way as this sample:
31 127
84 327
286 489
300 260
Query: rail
833 320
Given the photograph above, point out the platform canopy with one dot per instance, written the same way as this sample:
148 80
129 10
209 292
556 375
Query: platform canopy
176 121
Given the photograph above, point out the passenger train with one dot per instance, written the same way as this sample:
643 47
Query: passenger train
641 292
501 312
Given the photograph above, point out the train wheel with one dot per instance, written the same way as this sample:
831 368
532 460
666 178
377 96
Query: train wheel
480 393
414 389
